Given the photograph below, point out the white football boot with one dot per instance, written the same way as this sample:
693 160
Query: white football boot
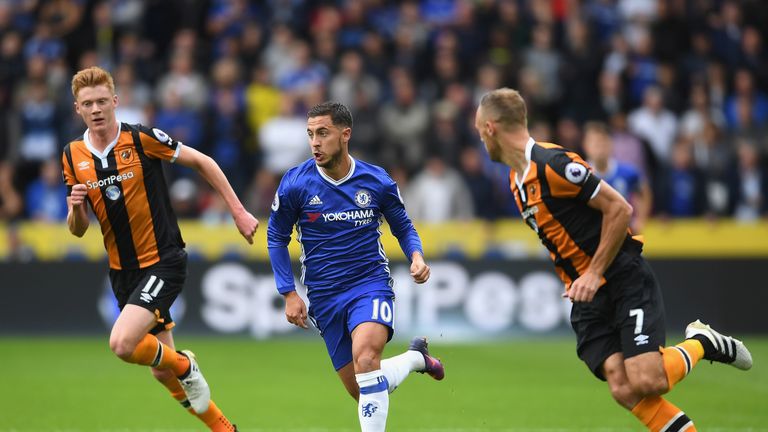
194 385
724 349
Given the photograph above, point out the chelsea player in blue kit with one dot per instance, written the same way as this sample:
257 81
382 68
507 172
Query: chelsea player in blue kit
626 179
336 204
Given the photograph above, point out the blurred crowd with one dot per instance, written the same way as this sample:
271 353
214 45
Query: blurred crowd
678 88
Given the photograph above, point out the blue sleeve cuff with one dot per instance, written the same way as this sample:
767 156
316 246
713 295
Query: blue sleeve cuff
281 267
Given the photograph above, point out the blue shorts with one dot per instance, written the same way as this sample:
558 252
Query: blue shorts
337 315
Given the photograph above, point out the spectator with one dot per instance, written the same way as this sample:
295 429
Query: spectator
367 143
654 123
46 197
11 73
38 122
627 148
226 135
261 193
352 78
617 60
726 33
179 121
683 192
699 113
438 194
753 57
713 156
695 62
135 96
283 139
479 184
186 85
304 74
276 56
580 78
748 185
44 43
744 92
642 71
262 99
251 45
670 31
612 99
404 126
445 138
544 61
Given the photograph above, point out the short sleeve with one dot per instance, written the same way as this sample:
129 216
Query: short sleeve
158 144
569 176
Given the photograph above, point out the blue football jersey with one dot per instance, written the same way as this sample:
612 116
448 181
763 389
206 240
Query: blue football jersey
337 224
622 177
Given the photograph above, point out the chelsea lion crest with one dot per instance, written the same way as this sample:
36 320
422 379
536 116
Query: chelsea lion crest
363 198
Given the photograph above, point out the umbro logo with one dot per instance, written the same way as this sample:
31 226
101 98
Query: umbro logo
83 165
315 201
641 339
146 295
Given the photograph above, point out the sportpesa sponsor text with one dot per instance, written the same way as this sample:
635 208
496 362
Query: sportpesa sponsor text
109 180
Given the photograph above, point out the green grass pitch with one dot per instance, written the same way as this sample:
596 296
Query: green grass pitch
75 384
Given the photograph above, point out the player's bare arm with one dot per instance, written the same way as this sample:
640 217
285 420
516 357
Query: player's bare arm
616 216
77 214
246 223
419 268
295 309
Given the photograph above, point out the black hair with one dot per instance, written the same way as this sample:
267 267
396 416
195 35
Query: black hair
340 115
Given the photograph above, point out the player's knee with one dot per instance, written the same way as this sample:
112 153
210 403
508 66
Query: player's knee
624 394
650 385
367 360
122 347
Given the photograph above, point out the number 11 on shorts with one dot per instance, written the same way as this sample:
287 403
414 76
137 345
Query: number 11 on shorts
381 309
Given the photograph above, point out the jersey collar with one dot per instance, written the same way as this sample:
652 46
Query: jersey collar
341 180
101 155
528 150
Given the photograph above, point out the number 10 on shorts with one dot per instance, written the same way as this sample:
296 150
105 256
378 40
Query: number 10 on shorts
381 309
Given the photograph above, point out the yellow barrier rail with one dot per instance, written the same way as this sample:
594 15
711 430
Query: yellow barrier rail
507 238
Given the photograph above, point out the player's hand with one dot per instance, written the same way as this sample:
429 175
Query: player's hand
295 310
419 269
584 288
247 224
79 192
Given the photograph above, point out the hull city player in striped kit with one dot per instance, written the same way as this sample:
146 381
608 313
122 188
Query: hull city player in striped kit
618 311
116 170
336 204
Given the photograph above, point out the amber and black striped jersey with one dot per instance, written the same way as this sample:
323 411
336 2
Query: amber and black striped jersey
128 194
552 195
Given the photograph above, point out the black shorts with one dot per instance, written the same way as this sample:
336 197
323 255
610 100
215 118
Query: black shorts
626 316
154 288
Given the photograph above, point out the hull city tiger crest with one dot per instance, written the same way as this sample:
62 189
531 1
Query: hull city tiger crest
126 155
